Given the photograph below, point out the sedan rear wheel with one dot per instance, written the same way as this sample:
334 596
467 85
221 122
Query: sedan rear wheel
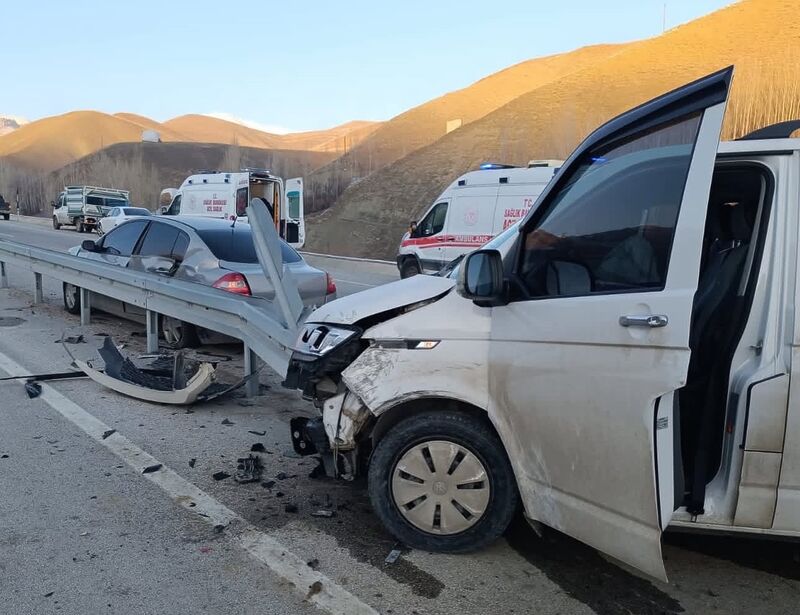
441 481
178 334
72 298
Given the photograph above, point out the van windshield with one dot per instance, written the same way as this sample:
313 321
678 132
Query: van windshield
236 245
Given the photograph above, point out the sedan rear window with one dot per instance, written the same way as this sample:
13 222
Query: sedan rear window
236 245
136 211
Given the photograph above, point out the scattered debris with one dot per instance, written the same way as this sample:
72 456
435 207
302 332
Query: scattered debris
290 508
123 376
218 528
10 321
279 494
258 448
314 589
84 533
393 556
192 461
220 475
313 564
318 471
267 484
227 422
153 468
108 432
281 476
257 433
48 594
5 456
249 469
33 389
218 357
72 339
323 513
43 377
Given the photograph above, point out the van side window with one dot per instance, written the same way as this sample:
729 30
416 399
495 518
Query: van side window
241 202
609 227
433 223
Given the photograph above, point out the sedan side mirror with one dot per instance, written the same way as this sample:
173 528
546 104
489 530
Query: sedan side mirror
89 245
481 279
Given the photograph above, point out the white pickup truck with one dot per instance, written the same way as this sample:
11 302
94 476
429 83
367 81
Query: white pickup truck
83 206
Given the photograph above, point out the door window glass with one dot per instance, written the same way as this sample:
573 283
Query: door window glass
180 247
433 223
123 238
609 227
175 208
113 212
241 202
159 240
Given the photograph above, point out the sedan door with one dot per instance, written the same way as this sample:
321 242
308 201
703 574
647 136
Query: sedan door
586 357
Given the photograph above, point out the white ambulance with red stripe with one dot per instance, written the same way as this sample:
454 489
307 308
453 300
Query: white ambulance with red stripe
473 209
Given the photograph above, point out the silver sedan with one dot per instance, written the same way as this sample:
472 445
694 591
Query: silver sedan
208 251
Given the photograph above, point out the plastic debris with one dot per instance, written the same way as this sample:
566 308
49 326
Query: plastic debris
393 556
323 513
153 468
258 448
220 475
33 389
257 433
108 432
248 469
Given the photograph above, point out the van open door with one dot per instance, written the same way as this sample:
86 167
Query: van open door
587 355
293 223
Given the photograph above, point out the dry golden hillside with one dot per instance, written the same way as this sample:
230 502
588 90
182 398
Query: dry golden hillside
760 37
205 129
427 123
338 139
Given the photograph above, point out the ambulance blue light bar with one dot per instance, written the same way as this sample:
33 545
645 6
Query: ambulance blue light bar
487 166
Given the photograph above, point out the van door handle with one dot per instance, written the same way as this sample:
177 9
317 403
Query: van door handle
653 321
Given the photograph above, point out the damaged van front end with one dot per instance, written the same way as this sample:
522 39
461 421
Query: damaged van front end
352 361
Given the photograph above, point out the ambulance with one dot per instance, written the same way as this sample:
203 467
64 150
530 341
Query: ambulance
473 209
219 194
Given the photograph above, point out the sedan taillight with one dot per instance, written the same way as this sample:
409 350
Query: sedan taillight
233 282
330 283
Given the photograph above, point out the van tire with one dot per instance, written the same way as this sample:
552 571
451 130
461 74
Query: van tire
474 437
72 298
410 268
56 223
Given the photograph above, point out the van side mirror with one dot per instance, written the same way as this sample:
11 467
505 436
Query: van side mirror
481 278
89 245
52 204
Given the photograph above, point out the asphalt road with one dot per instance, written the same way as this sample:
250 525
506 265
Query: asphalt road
78 518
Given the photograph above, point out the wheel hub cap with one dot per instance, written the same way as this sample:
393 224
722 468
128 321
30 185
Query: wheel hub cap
440 487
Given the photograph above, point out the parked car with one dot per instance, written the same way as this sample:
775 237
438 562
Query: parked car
118 215
5 208
209 251
625 366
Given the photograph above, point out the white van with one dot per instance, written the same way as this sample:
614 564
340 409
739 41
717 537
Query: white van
218 194
628 363
473 209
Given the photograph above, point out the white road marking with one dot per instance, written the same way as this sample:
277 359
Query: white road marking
314 587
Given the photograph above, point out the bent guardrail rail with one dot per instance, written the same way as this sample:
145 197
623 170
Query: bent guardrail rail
257 322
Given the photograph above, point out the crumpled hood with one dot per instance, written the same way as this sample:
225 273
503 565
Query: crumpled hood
353 308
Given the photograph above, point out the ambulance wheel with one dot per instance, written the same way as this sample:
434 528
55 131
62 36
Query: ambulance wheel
441 481
410 268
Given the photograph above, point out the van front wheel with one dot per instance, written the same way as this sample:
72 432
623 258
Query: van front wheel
441 481
410 268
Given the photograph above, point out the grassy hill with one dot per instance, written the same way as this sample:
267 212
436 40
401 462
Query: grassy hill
761 37
427 123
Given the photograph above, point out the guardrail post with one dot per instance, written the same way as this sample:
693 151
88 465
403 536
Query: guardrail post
3 276
152 331
250 366
86 307
37 283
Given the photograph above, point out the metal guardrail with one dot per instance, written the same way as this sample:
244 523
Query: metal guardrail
268 329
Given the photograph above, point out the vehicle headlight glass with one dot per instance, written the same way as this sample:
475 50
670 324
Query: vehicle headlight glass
318 339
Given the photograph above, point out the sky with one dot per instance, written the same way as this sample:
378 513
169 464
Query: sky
298 65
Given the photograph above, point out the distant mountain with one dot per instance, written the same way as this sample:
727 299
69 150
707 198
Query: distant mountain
9 123
760 37
53 142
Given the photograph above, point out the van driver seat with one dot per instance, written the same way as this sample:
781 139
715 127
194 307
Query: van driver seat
714 316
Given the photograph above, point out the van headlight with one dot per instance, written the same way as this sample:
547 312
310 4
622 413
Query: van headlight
318 340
